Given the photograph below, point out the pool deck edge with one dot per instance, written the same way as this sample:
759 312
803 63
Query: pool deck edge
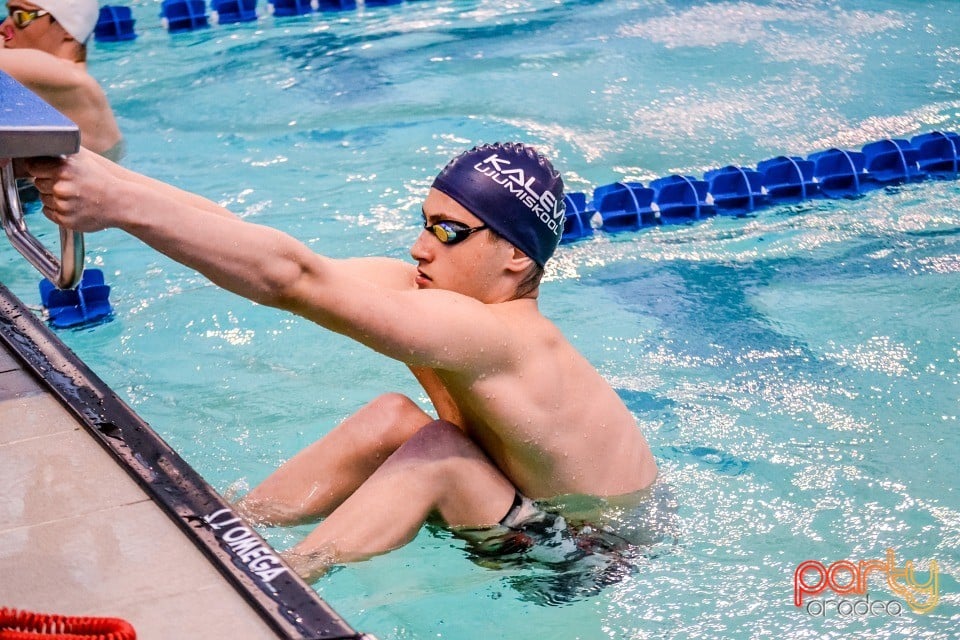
99 517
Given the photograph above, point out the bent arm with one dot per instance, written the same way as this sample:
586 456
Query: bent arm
374 301
40 70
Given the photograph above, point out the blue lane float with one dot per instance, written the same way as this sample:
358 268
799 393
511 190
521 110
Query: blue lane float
938 152
87 303
114 24
788 178
735 190
232 11
892 161
839 172
178 16
674 199
337 5
681 199
577 223
287 8
624 206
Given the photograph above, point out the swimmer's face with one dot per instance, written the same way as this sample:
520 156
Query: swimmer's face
473 267
37 33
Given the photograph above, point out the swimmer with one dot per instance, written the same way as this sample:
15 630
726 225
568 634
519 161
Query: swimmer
44 48
520 415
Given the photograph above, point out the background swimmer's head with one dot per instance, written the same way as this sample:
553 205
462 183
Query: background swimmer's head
77 17
514 190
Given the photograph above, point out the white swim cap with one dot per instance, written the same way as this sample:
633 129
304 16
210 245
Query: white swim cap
77 17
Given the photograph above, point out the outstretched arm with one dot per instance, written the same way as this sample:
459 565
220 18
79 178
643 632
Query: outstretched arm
373 301
162 188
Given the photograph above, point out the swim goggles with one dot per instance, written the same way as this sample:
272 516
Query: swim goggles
21 17
451 232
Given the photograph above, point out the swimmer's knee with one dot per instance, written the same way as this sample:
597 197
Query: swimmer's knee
438 441
400 408
442 461
399 416
393 402
390 404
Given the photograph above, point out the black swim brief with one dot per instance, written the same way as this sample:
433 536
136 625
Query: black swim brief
550 561
541 535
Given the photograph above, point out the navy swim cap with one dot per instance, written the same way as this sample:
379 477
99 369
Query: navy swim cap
514 190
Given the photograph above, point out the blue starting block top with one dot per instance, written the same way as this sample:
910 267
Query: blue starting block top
734 190
30 127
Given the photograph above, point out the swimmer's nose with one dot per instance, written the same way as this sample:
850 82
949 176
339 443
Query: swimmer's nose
421 248
6 30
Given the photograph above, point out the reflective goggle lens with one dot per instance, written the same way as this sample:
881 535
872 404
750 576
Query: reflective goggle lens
443 234
450 232
22 17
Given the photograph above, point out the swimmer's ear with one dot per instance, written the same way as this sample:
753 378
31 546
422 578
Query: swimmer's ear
519 261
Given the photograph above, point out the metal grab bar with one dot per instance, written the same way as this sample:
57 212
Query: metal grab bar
66 272
30 127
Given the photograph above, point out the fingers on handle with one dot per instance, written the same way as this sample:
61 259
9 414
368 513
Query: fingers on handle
43 167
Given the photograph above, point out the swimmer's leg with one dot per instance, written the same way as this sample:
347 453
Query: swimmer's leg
438 470
315 481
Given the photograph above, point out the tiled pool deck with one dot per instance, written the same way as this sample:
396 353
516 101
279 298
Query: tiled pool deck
78 536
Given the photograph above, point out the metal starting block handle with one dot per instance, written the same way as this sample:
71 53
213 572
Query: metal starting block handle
29 127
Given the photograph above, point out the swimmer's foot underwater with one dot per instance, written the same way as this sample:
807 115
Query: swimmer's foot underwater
265 513
309 567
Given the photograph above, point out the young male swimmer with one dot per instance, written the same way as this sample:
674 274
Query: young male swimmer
45 48
521 415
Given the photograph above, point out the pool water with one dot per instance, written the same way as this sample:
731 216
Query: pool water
797 372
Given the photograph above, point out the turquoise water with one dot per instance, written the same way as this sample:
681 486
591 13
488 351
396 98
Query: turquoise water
797 372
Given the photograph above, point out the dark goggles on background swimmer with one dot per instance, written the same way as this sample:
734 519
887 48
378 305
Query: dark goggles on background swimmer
451 232
21 17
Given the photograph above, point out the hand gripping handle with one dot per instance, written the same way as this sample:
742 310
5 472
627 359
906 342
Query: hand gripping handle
66 272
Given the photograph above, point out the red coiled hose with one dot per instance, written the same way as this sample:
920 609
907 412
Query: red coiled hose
26 625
